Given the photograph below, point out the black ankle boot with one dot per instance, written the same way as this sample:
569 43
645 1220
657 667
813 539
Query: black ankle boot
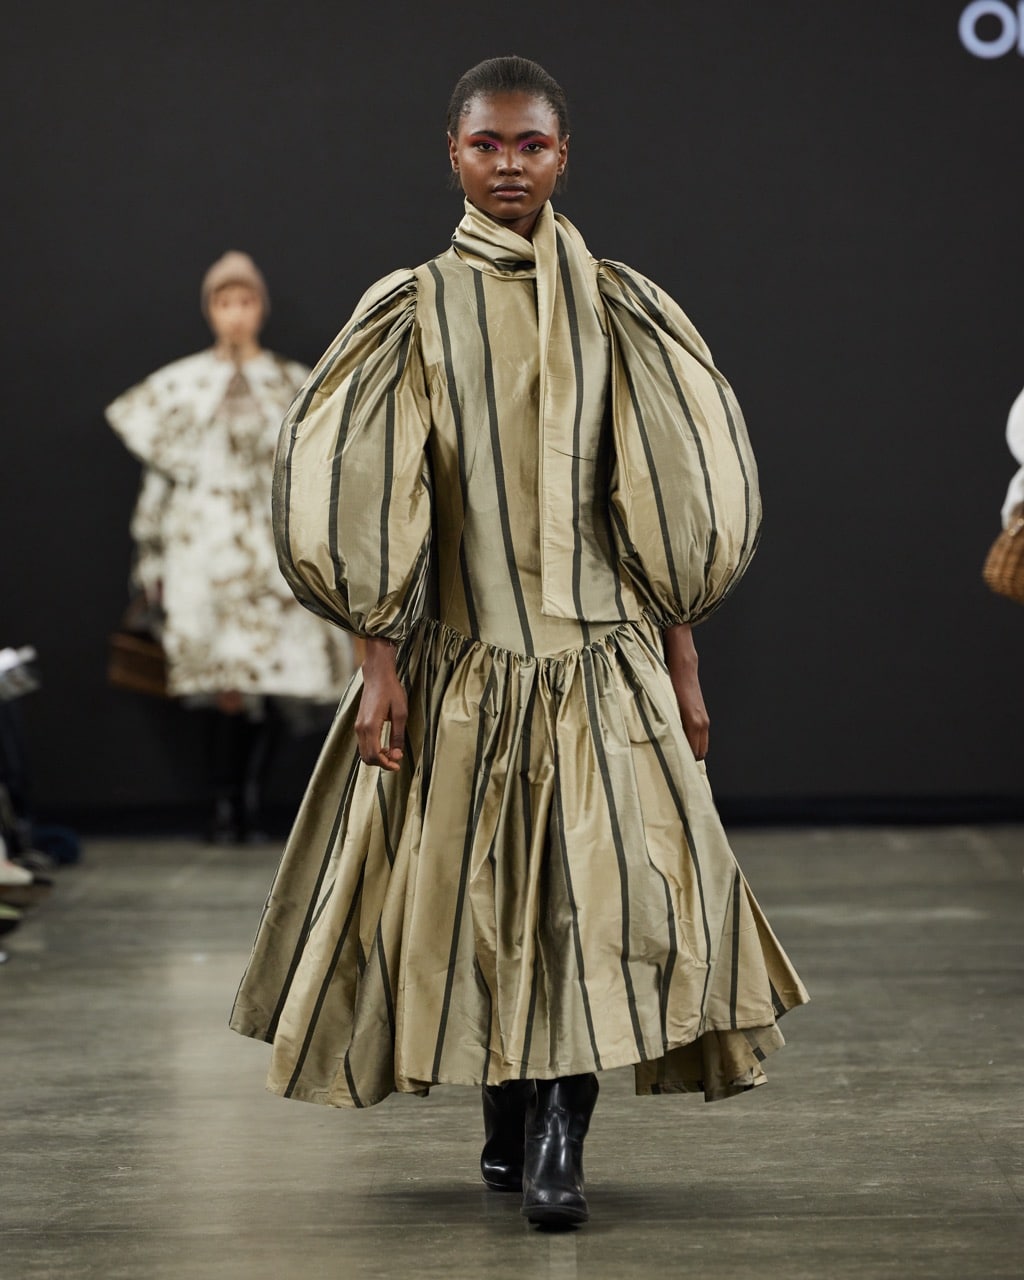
225 818
501 1161
227 739
556 1124
261 747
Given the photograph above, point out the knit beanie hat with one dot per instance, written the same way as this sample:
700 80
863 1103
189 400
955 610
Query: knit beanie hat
233 268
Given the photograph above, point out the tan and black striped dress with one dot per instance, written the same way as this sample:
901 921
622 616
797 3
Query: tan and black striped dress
519 464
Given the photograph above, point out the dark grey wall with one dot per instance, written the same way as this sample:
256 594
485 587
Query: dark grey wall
833 193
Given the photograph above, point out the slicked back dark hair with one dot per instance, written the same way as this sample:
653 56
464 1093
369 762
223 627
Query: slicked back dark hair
507 75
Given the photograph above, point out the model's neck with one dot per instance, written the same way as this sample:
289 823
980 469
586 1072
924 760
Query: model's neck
237 352
521 226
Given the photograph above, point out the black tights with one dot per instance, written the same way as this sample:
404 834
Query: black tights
240 752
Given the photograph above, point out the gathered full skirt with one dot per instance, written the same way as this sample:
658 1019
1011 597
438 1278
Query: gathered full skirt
543 889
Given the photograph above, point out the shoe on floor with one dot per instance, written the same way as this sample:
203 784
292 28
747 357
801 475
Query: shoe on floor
10 918
12 874
20 887
36 860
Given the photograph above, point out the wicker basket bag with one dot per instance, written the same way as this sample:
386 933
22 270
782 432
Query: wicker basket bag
135 655
1003 570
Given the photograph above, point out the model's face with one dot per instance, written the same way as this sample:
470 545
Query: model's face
508 157
236 315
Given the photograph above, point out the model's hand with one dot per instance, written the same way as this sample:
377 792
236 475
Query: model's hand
230 701
383 702
681 657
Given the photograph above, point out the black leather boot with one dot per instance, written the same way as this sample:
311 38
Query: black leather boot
556 1124
227 739
261 748
501 1161
223 825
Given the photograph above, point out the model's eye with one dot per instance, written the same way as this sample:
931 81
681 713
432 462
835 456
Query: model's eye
483 146
533 146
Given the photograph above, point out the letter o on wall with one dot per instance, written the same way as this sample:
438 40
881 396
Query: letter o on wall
1003 42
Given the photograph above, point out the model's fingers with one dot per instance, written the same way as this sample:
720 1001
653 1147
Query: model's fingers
396 744
368 736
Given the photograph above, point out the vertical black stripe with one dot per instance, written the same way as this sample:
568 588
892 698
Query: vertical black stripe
735 977
456 411
577 362
521 731
677 800
410 609
332 511
481 775
659 499
432 699
389 464
530 1016
325 986
385 977
597 737
499 469
655 335
606 508
389 848
657 654
708 609
281 505
525 752
325 862
481 976
345 339
490 1024
291 423
734 435
665 979
322 906
312 387
559 826
625 549
621 532
351 1081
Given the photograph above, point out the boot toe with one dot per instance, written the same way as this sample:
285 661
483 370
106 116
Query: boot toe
501 1177
556 1211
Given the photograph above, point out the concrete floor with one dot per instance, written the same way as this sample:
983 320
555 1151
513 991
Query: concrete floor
139 1142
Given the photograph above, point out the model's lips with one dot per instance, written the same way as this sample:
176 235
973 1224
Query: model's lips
510 189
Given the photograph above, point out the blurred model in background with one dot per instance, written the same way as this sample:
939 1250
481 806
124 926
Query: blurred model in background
238 643
1015 439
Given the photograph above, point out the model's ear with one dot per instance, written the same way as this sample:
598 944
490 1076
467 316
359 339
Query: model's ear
453 153
563 154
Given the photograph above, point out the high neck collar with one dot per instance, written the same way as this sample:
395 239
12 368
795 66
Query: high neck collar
487 245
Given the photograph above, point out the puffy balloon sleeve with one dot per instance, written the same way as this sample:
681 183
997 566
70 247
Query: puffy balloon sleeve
165 419
139 417
685 502
352 492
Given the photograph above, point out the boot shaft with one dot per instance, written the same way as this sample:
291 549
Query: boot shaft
566 1103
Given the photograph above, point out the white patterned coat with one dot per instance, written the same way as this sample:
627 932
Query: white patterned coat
206 432
1015 439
